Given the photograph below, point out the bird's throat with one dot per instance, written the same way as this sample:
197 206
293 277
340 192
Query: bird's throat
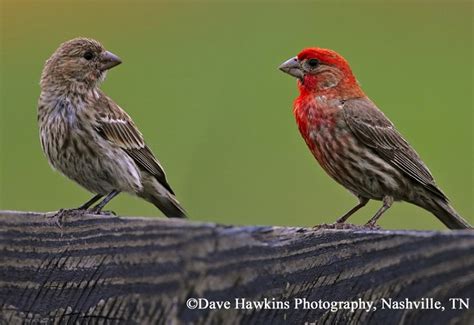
315 112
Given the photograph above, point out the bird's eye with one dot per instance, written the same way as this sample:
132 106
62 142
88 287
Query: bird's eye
313 63
88 55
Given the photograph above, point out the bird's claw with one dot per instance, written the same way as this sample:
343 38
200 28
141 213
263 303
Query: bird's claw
59 216
348 226
102 213
336 225
372 226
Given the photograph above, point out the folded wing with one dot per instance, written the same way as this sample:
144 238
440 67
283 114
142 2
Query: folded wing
118 128
376 131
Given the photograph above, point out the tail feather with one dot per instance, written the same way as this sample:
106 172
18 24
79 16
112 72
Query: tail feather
168 205
447 215
155 193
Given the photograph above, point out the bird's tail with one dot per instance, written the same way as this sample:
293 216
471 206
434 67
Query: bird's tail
447 215
169 206
156 194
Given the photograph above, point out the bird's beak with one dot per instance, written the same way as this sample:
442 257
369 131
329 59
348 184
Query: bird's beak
293 68
109 60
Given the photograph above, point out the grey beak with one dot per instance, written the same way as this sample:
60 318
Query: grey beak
109 60
293 68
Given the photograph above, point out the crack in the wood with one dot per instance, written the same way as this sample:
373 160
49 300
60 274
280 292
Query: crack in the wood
43 290
91 284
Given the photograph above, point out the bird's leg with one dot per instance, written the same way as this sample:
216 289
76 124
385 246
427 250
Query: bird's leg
339 224
86 205
362 202
387 203
106 200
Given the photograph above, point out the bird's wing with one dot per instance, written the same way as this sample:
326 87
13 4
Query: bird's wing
375 130
117 127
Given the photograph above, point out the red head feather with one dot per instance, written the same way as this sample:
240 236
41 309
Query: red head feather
331 58
325 56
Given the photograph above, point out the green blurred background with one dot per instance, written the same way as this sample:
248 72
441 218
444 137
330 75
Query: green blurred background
200 79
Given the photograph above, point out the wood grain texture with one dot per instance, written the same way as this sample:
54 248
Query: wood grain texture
110 270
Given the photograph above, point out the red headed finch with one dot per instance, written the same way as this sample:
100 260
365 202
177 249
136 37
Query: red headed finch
87 137
356 144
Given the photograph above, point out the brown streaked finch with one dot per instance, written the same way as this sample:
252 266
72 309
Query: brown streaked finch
87 137
356 144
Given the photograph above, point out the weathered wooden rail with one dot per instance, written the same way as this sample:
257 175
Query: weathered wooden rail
110 270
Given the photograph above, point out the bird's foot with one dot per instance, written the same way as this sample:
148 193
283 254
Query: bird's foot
59 217
372 226
342 225
102 213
